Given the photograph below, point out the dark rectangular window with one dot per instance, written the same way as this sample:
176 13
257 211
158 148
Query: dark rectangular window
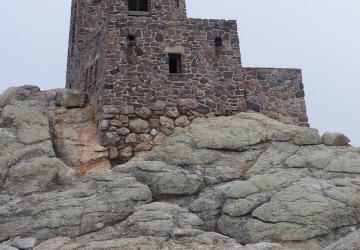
174 63
138 5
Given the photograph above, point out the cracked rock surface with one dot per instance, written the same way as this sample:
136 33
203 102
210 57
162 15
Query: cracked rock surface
267 181
242 182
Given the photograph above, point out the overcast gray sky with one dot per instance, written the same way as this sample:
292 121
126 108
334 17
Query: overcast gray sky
320 36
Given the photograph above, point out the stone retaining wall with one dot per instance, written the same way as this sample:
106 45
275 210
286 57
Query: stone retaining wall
127 129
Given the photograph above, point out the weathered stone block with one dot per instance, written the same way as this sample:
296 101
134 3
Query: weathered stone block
143 146
115 123
112 138
143 112
182 121
172 112
126 152
71 98
131 138
104 125
127 110
108 109
113 153
335 139
123 131
139 126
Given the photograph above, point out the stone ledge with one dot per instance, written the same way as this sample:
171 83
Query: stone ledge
139 13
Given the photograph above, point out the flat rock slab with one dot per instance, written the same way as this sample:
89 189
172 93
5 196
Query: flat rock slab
97 201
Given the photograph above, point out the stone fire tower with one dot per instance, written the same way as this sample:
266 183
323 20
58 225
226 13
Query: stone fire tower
148 68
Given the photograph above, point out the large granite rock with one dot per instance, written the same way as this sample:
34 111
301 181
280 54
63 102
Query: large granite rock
202 241
163 180
155 226
240 182
44 146
244 130
33 96
28 163
14 94
266 181
70 98
76 140
335 139
100 199
350 242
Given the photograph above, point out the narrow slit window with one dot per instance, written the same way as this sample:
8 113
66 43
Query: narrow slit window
97 2
138 5
218 42
175 63
131 40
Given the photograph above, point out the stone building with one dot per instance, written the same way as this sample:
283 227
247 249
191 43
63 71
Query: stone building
148 68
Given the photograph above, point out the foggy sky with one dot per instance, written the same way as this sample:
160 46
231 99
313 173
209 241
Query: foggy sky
321 37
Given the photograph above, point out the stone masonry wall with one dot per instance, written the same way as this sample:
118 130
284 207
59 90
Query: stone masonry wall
139 72
143 102
138 102
277 93
88 16
89 69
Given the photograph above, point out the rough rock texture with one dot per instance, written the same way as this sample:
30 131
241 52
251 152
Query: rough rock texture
266 181
28 163
163 180
350 242
335 139
36 128
154 226
76 140
240 182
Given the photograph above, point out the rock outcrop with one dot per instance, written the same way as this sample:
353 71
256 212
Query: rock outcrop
263 180
239 182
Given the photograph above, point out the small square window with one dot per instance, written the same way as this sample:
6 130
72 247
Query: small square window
175 63
138 5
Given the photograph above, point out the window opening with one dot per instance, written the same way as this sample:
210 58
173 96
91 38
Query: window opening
218 42
131 38
96 2
138 5
174 63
